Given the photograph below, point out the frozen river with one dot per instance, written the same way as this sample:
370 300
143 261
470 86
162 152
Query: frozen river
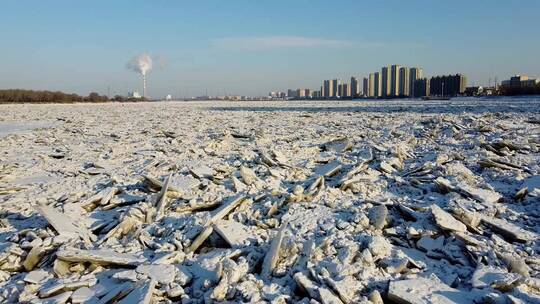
7 128
282 202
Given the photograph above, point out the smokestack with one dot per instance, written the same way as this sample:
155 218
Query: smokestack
144 85
141 64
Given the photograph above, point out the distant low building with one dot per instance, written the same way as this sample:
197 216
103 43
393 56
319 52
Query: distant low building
134 94
474 91
277 95
448 86
520 81
520 85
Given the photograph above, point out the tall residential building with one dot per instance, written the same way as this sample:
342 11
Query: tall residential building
303 93
355 87
414 74
332 89
328 89
365 86
344 90
451 85
385 82
292 93
371 85
394 80
377 85
404 84
335 87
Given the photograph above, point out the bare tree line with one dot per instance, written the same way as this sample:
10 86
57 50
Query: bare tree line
31 96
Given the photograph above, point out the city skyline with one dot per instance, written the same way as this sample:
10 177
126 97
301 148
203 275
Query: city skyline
394 81
245 48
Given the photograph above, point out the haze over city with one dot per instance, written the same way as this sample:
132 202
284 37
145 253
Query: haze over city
251 48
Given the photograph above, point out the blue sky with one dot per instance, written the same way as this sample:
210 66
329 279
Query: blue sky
252 47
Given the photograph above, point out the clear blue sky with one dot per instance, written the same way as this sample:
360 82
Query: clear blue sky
252 47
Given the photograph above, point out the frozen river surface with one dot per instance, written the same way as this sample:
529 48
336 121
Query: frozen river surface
272 202
7 128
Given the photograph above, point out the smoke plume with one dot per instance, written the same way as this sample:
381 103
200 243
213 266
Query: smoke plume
140 64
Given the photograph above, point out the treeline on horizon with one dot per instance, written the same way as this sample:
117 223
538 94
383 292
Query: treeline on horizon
31 96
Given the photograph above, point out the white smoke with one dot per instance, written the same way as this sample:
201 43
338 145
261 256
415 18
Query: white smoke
140 64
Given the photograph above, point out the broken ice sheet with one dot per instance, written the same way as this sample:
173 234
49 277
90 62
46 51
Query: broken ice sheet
427 290
234 233
375 194
99 257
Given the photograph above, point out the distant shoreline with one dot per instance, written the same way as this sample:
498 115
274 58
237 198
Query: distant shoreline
265 100
404 100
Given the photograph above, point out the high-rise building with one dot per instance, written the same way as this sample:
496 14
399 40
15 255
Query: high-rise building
335 87
377 85
328 89
344 90
448 86
394 80
420 88
365 86
292 93
414 74
355 87
385 82
371 85
404 85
